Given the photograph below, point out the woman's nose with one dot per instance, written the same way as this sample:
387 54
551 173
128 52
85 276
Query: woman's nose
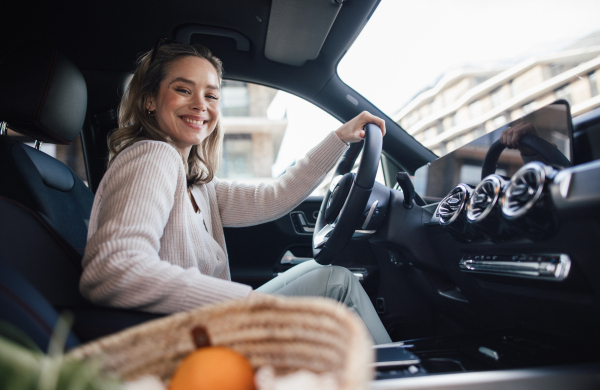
198 104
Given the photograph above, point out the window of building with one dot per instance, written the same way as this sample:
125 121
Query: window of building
497 97
529 107
235 100
411 119
430 133
475 109
593 80
512 88
555 69
433 107
440 127
237 156
499 121
563 92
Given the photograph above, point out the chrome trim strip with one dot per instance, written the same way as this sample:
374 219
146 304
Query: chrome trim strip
563 178
3 126
370 215
525 269
322 236
363 233
289 258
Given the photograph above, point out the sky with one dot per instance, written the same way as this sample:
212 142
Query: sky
407 45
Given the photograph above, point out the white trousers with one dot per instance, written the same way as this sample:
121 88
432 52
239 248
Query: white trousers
312 279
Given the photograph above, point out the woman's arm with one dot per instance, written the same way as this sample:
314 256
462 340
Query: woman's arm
244 204
122 267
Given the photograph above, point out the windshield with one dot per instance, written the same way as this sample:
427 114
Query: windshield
449 72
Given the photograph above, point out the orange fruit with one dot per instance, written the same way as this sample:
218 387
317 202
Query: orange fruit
213 368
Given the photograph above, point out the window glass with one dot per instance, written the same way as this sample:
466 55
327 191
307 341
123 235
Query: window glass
235 100
267 131
460 60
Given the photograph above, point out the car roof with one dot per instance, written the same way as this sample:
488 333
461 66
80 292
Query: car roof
109 35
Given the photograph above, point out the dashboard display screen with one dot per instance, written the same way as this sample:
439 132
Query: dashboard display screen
435 180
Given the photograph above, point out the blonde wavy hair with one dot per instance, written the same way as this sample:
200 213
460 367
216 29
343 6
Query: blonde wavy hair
137 124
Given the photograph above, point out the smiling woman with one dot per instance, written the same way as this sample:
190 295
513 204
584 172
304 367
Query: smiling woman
156 239
182 78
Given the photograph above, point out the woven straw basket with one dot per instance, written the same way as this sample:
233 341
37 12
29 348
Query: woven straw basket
288 334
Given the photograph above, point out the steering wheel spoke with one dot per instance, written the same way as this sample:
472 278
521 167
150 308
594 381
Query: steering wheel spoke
322 236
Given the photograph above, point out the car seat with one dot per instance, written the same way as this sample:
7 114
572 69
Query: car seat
45 207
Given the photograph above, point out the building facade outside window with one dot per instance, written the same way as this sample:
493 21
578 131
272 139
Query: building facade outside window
593 80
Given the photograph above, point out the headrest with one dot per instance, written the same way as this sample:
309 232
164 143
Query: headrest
42 94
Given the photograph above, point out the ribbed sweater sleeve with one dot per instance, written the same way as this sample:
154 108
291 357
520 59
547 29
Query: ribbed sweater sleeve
143 192
244 204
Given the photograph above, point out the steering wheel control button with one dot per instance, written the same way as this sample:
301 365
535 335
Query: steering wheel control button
553 267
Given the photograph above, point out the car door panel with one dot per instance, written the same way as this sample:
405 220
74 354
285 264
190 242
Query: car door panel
255 252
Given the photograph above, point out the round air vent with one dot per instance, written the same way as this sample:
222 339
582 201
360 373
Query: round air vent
524 190
484 198
453 204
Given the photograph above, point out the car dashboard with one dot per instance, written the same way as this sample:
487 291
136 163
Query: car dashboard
513 257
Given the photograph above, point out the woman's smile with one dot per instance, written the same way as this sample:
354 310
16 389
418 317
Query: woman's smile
197 122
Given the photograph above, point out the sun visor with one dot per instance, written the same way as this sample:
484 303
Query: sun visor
298 28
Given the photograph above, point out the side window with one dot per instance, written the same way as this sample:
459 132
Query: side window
70 155
379 177
267 131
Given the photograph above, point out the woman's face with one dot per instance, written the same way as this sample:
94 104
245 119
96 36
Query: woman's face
187 103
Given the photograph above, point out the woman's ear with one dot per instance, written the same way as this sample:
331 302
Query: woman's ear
150 106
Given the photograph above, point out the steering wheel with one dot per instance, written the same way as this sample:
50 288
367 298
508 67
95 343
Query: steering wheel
543 148
330 238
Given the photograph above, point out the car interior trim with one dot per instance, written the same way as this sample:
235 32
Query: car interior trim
553 267
307 22
185 33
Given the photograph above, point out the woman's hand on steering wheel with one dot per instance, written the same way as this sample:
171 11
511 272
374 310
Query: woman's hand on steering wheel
353 130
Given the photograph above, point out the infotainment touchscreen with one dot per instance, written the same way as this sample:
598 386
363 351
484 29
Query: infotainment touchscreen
436 179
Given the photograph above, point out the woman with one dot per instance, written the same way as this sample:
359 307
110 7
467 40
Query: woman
155 240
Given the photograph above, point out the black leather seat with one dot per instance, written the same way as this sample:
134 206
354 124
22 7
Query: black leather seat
45 207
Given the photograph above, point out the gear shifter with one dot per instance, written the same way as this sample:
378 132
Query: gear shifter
408 189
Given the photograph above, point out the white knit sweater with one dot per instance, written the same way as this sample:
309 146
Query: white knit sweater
147 248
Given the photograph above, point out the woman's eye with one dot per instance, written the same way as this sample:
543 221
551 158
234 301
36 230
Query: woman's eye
213 97
182 90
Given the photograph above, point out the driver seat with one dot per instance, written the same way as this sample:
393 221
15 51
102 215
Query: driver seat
45 207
